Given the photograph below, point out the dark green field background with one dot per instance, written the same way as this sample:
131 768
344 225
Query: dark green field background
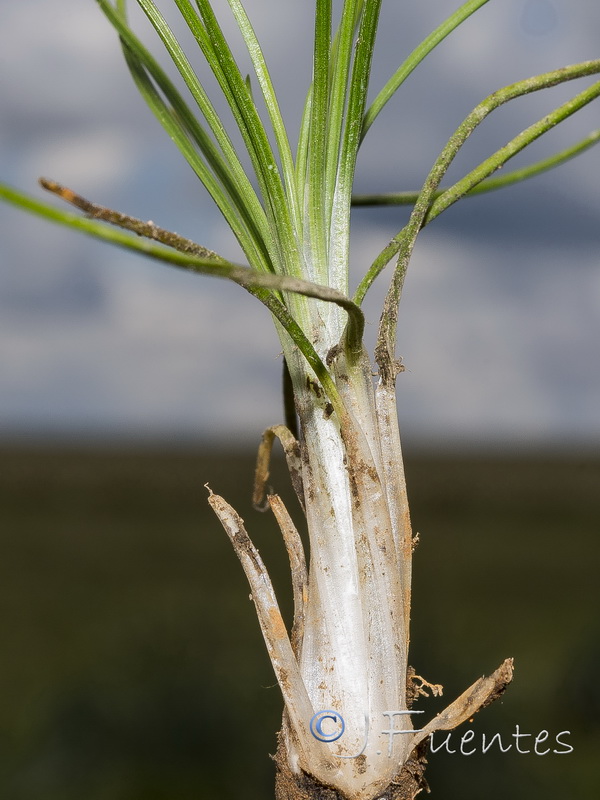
132 666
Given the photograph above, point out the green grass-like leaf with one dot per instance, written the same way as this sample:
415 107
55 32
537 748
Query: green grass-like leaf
219 170
272 105
215 47
407 237
416 57
489 184
316 163
501 156
356 102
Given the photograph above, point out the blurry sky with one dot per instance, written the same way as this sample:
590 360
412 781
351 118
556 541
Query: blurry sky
500 321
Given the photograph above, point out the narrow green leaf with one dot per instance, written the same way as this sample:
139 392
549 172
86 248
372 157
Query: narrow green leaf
429 192
147 229
211 40
172 126
239 204
359 82
489 184
317 145
406 238
415 58
501 156
272 105
231 162
302 150
341 62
